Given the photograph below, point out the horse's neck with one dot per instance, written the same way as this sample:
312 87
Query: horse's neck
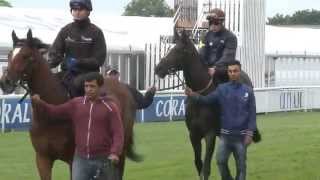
196 74
46 85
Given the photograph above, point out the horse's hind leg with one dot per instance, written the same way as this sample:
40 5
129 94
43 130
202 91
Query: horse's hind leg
70 168
210 144
120 168
44 165
196 144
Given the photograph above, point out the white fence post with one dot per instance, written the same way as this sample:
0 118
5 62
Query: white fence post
2 121
306 99
171 106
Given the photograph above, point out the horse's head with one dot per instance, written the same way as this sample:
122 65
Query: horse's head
177 57
21 60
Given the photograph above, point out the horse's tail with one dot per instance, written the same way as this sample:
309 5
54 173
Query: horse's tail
131 153
256 136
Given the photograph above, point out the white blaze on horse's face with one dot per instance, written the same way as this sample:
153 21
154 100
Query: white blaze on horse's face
15 52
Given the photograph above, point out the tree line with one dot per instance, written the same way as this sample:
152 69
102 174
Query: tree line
5 3
302 17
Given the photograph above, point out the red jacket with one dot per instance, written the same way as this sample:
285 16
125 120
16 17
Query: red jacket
98 126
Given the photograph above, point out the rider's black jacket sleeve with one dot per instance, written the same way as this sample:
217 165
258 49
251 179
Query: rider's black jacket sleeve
57 50
142 102
229 51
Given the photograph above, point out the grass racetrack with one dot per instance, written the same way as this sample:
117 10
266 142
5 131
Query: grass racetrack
290 150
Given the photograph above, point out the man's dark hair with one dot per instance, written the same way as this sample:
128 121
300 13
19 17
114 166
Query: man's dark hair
234 62
94 76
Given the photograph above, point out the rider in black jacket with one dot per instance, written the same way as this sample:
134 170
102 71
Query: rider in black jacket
79 47
220 45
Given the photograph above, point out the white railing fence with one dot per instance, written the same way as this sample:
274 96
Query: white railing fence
287 98
137 68
169 105
279 99
292 70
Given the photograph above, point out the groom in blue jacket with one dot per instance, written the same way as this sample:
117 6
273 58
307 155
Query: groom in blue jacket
238 120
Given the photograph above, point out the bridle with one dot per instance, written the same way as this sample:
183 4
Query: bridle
24 81
25 78
180 81
173 71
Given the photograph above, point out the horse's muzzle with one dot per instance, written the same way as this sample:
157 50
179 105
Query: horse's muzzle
160 71
7 85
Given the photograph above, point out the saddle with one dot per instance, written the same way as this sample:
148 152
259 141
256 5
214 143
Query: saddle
73 83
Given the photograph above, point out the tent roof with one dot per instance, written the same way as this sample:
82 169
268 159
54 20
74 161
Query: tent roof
126 33
121 32
292 40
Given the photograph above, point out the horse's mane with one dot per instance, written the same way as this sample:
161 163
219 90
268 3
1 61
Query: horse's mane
195 60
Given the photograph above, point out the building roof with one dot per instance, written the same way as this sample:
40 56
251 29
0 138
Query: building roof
292 40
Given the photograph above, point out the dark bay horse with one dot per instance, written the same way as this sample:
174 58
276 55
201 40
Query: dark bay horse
52 138
202 121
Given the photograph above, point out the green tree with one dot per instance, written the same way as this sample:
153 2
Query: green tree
306 17
279 19
147 8
303 17
5 3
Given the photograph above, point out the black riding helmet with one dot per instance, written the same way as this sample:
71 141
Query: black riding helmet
113 72
216 16
75 4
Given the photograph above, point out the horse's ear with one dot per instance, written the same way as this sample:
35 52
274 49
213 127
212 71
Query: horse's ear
176 36
15 39
184 36
29 35
30 38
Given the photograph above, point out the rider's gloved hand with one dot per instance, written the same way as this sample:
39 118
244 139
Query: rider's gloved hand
72 64
152 90
211 71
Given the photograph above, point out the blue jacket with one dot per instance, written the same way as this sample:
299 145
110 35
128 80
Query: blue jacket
238 108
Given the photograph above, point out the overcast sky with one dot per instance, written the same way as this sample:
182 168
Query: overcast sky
116 7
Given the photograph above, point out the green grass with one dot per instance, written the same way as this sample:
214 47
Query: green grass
290 150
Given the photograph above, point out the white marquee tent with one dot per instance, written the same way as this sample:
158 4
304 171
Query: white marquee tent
125 33
121 32
292 40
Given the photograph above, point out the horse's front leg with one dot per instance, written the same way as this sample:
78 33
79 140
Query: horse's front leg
44 165
70 168
196 144
210 139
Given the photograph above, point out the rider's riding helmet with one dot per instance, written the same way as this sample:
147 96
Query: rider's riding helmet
76 4
113 72
216 16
